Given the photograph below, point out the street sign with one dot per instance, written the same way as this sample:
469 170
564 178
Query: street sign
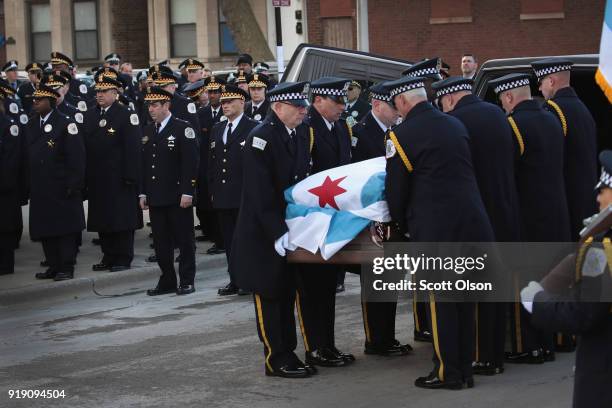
281 3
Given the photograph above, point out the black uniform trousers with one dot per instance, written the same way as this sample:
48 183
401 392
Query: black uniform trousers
378 321
316 303
276 328
524 337
60 252
117 247
227 223
491 332
8 242
420 308
453 334
173 227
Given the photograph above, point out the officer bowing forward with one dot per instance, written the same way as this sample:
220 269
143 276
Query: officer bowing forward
112 143
170 168
276 156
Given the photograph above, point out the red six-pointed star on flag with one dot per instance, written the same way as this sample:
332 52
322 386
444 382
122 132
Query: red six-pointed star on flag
328 191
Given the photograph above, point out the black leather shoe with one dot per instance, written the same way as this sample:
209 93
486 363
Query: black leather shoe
101 267
423 336
152 258
395 349
156 291
214 250
197 227
243 292
185 290
324 358
227 290
202 238
177 259
347 357
289 371
469 382
48 274
62 276
312 370
340 288
486 368
119 268
528 357
44 263
549 356
95 241
433 382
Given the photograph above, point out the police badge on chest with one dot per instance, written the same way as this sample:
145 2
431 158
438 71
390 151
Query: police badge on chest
171 139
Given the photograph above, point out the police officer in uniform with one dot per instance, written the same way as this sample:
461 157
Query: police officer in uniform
430 70
60 81
226 144
170 169
13 189
316 299
240 80
113 147
429 153
26 89
114 61
182 80
585 309
492 149
11 104
580 168
369 140
194 72
257 108
276 156
356 108
244 63
57 173
10 70
543 212
78 89
262 68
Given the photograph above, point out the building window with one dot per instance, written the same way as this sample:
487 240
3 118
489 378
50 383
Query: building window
227 46
40 32
183 28
85 30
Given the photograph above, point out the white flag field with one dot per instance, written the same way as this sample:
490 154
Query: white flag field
604 71
328 209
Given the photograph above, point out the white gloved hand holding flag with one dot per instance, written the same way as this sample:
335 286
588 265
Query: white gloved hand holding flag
327 210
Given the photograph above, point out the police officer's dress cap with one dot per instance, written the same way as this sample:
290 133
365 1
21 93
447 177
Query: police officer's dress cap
44 91
54 80
33 67
404 84
11 65
452 85
508 82
213 83
244 59
605 179
295 93
113 58
229 92
330 86
58 58
194 89
193 64
380 92
429 68
549 66
258 81
104 83
157 94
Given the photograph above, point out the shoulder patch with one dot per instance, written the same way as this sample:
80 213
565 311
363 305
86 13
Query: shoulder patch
134 119
83 88
354 141
73 129
82 106
191 108
595 262
14 130
390 150
259 143
78 117
189 133
23 119
13 107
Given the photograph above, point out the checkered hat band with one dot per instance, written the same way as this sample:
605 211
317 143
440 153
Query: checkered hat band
551 70
257 84
424 71
164 81
288 97
231 95
328 91
213 86
194 67
454 88
605 178
104 85
511 85
57 61
156 97
54 83
407 87
40 93
380 97
196 92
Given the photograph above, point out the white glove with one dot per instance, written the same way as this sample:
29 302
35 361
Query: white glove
282 243
528 293
595 263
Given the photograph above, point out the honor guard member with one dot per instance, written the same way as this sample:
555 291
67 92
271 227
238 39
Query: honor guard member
210 115
430 70
370 138
57 173
10 71
226 144
585 309
275 156
13 188
114 61
429 172
194 72
170 169
59 82
492 149
113 147
580 131
543 212
263 68
26 89
257 108
240 80
244 63
182 80
356 108
316 298
78 89
11 105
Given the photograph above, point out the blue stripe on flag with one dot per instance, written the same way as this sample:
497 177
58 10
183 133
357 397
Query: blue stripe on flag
373 190
298 210
289 194
345 226
608 14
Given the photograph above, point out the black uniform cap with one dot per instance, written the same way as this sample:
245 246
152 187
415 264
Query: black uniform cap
380 91
58 58
44 91
11 65
605 179
157 94
549 66
213 83
113 58
331 87
33 67
194 89
429 68
404 84
244 59
508 82
451 85
229 92
295 93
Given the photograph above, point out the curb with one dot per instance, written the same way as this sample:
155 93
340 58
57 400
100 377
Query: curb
80 286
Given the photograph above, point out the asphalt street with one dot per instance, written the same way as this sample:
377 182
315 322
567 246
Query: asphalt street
201 350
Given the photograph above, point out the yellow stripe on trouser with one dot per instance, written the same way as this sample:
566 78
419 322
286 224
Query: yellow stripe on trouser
366 325
415 314
263 331
434 329
517 319
302 329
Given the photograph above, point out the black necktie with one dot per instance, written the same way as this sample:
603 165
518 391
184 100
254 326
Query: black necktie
42 122
102 113
229 132
157 126
292 143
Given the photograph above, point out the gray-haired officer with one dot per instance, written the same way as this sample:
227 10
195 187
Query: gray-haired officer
429 70
543 212
10 70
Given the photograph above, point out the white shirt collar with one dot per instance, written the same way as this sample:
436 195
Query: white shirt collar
257 105
289 130
46 117
236 121
382 125
215 111
329 124
164 122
